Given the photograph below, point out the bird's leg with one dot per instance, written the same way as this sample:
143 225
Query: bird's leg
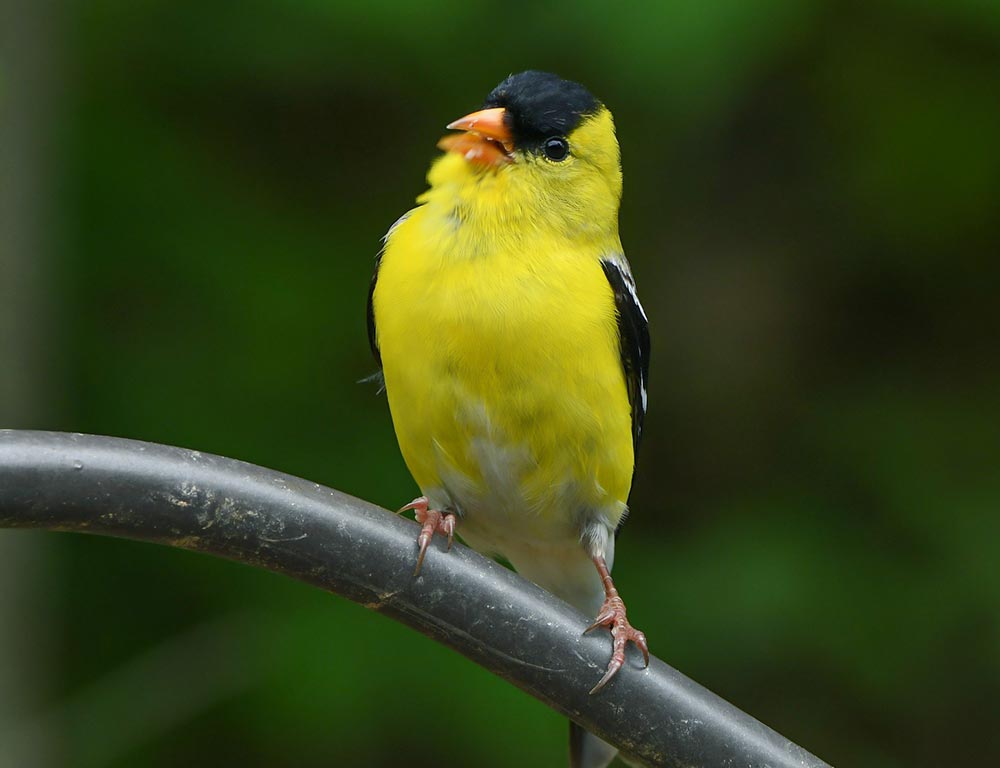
431 521
612 615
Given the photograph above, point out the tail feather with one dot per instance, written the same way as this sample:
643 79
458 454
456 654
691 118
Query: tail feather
574 578
570 574
587 750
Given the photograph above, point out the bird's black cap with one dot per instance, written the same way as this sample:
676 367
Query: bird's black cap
541 105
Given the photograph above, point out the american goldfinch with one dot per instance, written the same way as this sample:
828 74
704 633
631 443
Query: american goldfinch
514 349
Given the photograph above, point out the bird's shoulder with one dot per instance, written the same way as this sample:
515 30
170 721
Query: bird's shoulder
371 320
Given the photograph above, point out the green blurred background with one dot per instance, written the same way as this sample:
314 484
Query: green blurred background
192 197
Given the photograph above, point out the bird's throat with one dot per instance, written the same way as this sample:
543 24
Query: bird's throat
505 210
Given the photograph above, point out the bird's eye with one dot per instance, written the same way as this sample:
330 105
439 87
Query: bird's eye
556 148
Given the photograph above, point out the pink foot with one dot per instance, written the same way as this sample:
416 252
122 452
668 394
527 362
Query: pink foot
612 615
431 521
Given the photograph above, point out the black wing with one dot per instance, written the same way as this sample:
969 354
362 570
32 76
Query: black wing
372 340
372 336
633 334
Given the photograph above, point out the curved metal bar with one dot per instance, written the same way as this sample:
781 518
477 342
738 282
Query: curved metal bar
193 500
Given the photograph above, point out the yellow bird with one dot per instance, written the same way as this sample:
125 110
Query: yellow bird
514 349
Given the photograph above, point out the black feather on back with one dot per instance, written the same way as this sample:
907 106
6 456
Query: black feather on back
633 339
372 340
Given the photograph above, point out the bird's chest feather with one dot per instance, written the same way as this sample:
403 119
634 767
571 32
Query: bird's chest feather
505 384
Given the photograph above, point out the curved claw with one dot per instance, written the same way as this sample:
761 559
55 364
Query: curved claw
431 521
613 616
420 559
431 518
447 526
640 642
602 620
613 668
421 503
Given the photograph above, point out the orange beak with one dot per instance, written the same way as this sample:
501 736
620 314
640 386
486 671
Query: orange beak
487 139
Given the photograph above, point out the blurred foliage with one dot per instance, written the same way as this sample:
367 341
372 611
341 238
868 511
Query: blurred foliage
812 209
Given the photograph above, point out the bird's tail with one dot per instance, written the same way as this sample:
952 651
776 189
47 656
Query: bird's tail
569 574
587 750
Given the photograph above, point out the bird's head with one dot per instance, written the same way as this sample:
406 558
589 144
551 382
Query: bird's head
539 143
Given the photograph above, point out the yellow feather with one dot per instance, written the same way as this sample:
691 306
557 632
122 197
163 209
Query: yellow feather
499 342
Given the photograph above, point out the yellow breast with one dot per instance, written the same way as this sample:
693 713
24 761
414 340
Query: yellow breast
502 369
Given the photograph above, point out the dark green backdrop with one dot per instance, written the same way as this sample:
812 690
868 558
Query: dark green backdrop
812 210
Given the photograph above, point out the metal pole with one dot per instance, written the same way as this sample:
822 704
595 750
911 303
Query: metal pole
183 498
